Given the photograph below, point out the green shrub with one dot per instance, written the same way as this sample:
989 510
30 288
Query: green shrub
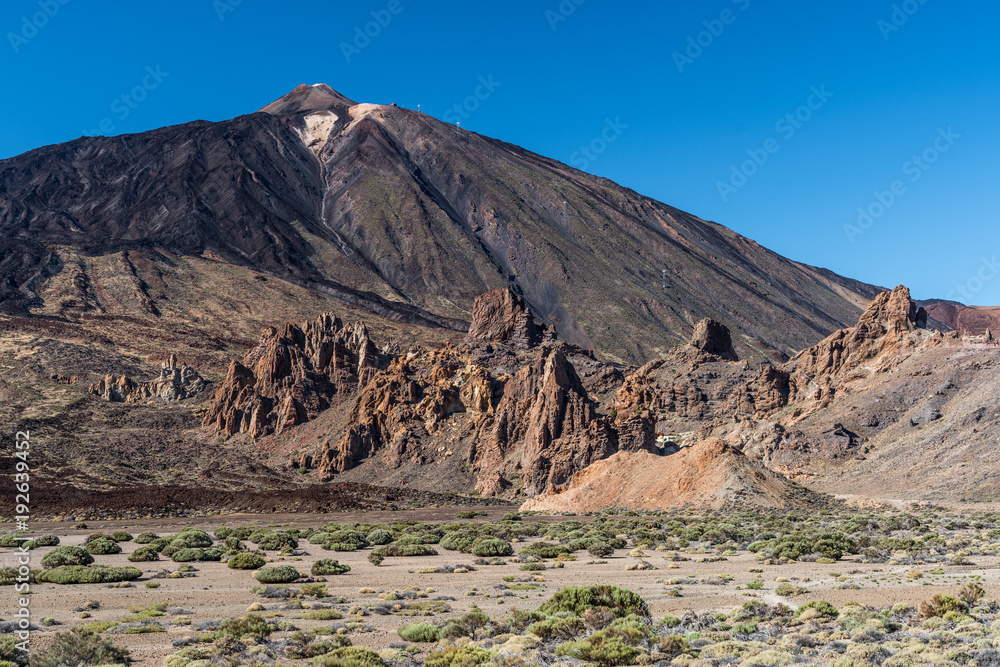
375 558
276 542
511 516
251 625
188 555
545 550
121 536
379 537
145 538
67 555
350 656
283 574
563 625
103 547
319 537
246 561
422 632
345 540
401 550
491 546
144 555
600 648
453 656
577 599
79 647
222 532
10 575
192 538
92 574
459 540
822 606
326 566
47 541
600 549
419 538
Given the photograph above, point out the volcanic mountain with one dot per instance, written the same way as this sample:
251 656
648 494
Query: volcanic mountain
394 213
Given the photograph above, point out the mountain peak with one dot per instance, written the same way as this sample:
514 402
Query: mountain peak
306 98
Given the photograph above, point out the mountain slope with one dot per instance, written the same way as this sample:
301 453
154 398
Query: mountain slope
407 218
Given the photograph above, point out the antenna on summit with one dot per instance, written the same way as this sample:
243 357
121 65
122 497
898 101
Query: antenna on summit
418 108
564 208
665 279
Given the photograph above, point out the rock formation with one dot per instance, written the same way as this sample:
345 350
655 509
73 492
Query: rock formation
176 383
714 338
500 316
291 376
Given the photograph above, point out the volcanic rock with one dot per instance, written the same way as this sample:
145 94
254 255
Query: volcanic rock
292 375
500 316
176 383
714 338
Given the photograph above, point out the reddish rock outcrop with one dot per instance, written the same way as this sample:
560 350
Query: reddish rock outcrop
544 430
881 329
500 316
291 376
714 338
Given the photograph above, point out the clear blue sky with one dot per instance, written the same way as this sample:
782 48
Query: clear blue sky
561 80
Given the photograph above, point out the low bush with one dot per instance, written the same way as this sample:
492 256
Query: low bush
319 537
282 574
88 574
422 632
600 549
491 547
459 540
326 566
400 550
600 648
79 647
246 561
276 542
144 555
67 555
121 536
379 537
454 656
47 541
939 605
145 538
251 625
350 656
192 538
103 547
545 550
577 599
821 606
222 532
345 540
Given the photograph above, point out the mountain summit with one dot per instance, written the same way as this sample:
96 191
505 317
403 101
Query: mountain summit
400 215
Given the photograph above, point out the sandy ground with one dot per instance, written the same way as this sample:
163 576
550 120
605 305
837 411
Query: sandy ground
218 592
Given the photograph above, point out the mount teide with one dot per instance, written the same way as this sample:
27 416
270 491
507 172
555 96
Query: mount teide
391 212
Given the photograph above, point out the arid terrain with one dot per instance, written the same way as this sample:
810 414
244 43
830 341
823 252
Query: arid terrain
718 589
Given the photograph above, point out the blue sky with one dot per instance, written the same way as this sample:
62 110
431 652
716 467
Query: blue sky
780 120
